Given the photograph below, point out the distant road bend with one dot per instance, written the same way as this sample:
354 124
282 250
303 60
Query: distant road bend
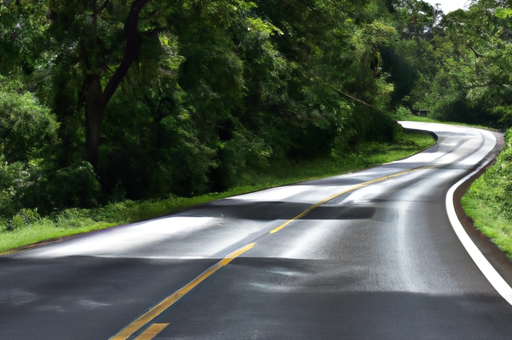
367 255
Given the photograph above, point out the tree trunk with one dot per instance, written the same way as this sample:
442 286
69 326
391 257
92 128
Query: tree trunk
96 99
94 110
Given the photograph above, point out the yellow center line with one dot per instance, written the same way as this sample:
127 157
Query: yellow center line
355 187
172 299
158 309
152 331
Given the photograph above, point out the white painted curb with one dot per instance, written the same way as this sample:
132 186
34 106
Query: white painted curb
485 267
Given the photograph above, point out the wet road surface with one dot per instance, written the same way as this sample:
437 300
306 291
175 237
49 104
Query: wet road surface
378 260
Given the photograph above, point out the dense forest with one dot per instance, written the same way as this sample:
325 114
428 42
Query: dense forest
106 100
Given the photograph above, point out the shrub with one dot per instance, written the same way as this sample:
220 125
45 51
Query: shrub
24 218
25 125
73 186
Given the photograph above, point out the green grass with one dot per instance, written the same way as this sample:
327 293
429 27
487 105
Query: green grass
490 221
28 229
489 200
488 203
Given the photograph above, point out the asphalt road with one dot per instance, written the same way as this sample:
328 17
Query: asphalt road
379 260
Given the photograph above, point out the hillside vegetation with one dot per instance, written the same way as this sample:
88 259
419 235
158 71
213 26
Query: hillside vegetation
106 102
28 227
489 200
103 101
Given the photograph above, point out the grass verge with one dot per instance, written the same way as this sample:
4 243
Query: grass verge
28 228
488 201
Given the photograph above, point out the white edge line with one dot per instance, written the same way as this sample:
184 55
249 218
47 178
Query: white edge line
482 263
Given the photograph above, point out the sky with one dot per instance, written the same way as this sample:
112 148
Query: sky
449 5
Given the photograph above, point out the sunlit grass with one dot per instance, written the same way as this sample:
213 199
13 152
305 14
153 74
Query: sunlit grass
488 200
76 221
487 218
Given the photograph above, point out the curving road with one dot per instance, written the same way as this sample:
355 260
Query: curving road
367 255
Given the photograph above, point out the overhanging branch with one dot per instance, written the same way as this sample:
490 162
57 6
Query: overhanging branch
353 98
131 52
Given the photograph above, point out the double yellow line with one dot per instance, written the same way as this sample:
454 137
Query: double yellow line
169 301
146 318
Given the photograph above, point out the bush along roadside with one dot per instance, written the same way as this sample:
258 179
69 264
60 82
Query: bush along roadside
28 226
489 200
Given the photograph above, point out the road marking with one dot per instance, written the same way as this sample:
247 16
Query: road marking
355 187
494 278
152 331
158 309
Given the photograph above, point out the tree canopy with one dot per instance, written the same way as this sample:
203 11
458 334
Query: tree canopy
146 98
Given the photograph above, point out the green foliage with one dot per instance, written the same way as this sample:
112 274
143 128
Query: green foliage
14 181
76 185
22 28
39 186
488 200
236 156
27 131
470 81
74 221
223 93
24 218
403 113
25 125
498 178
197 96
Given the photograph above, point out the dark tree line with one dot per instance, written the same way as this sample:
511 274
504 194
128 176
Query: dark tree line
102 100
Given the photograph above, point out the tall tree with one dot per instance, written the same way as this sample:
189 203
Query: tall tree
93 29
472 83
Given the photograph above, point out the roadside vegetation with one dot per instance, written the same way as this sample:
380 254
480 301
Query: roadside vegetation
489 200
28 227
116 111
